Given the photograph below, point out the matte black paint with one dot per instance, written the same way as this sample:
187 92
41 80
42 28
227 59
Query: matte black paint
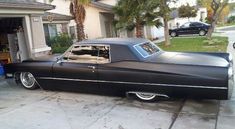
163 68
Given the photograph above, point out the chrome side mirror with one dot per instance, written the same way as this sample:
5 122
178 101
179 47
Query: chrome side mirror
58 60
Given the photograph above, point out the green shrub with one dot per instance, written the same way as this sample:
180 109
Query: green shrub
60 43
231 19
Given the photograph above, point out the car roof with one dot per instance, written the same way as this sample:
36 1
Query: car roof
117 41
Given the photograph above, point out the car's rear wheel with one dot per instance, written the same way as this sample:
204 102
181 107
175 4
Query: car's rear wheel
28 81
146 96
202 32
173 34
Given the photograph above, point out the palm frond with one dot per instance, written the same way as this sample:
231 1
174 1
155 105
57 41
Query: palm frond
71 9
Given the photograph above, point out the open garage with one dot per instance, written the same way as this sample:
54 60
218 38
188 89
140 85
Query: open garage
21 30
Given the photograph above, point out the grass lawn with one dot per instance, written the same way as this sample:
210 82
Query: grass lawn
197 44
226 24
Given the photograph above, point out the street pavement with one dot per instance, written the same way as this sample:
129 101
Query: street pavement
39 109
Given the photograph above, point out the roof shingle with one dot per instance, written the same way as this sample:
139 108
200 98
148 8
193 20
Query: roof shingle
25 4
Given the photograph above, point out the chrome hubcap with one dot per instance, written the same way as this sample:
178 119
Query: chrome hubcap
173 34
202 33
146 96
27 79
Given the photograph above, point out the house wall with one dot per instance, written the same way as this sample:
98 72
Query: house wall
179 3
109 2
231 1
232 13
93 22
39 42
43 1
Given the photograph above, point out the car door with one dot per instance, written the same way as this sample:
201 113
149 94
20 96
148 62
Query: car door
184 29
121 74
193 28
111 76
77 70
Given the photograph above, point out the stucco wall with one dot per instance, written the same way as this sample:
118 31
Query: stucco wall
109 2
178 3
38 40
92 24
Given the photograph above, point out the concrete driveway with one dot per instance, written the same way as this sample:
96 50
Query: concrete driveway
39 109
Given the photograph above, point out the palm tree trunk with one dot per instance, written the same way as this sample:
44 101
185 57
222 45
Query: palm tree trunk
80 31
166 33
138 30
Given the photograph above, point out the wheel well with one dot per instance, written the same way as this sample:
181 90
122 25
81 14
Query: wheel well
176 34
17 77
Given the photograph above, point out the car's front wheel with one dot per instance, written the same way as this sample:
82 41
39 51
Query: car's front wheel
28 81
146 96
202 32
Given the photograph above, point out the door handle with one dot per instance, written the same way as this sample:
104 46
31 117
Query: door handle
91 67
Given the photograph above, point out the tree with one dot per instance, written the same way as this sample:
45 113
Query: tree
187 11
135 14
207 5
78 12
224 14
217 6
164 11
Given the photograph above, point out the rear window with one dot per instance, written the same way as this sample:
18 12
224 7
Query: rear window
146 49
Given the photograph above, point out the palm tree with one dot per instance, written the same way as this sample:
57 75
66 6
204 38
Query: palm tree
134 14
78 12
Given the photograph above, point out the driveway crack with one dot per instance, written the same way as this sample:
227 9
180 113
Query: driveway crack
176 114
217 114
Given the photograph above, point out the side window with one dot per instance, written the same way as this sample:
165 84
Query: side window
104 54
186 25
82 54
88 54
192 25
196 24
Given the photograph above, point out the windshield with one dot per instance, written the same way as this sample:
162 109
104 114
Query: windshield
146 49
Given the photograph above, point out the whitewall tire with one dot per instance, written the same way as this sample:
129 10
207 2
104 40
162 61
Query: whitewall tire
173 34
28 81
202 32
146 96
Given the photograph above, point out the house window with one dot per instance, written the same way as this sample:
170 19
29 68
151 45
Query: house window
50 30
46 31
72 32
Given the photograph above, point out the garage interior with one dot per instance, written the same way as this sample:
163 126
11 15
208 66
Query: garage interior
12 40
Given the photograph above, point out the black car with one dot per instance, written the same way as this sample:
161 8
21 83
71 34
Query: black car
190 28
118 66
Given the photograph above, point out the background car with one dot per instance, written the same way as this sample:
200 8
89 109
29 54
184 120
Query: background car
190 28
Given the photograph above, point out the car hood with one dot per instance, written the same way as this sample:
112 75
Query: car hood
182 58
